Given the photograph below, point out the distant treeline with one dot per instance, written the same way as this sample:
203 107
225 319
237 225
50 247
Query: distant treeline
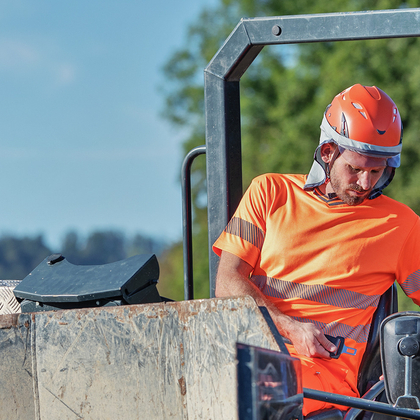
20 255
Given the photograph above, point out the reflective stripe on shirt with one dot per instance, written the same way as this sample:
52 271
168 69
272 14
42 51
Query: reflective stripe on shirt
360 333
314 292
411 283
246 231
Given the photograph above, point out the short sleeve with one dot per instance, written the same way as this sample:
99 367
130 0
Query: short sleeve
408 275
245 233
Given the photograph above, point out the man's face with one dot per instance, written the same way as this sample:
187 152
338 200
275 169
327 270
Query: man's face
353 176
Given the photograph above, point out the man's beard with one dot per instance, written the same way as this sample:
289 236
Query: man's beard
341 190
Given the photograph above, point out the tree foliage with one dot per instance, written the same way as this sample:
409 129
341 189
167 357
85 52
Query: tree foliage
103 247
283 96
19 256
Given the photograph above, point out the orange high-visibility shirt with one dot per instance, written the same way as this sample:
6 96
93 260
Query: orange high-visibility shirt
320 260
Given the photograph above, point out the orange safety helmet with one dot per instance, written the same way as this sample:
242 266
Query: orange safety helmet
365 114
363 119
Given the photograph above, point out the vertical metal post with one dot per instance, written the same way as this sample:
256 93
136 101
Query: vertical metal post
224 166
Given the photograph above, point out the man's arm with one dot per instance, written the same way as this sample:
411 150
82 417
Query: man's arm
233 280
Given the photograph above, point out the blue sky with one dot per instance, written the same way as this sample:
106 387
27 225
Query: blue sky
82 143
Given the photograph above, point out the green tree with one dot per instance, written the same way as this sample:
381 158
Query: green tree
283 96
141 244
19 256
102 247
71 248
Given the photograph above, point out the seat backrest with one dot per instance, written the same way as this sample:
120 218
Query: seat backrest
370 367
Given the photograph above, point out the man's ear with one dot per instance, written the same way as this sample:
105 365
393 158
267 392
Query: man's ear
327 151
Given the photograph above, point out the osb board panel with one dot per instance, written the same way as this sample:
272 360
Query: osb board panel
17 396
167 360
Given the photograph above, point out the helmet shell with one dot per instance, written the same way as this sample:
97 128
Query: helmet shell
366 114
363 119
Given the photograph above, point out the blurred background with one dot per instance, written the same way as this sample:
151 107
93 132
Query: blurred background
101 101
87 158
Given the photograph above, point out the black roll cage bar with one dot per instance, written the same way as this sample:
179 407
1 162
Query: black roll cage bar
221 90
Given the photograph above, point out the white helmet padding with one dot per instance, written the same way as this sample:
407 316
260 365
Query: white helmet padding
318 173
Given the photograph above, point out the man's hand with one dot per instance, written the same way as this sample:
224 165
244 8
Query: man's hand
309 341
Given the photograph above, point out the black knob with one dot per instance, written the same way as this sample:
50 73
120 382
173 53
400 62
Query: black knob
408 346
54 258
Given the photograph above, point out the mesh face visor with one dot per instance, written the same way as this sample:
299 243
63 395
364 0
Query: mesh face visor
318 173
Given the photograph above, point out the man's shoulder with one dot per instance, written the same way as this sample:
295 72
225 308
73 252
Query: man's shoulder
280 179
397 207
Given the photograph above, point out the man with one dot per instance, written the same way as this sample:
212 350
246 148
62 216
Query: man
319 250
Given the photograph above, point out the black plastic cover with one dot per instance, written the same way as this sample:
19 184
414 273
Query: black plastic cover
398 333
57 280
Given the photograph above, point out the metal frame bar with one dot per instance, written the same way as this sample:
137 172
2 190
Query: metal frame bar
222 102
187 220
359 403
370 395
